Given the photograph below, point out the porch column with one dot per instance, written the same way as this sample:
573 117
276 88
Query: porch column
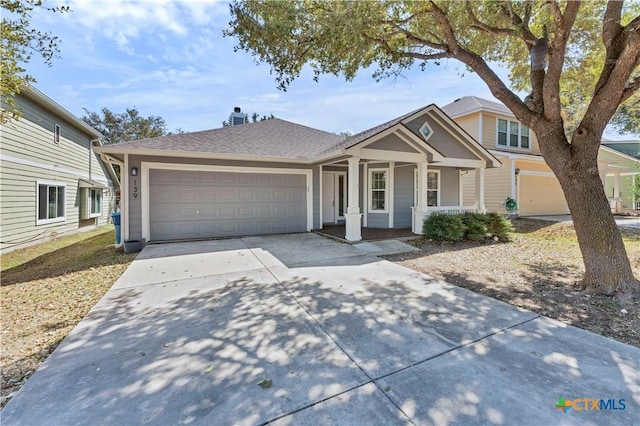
616 185
480 189
421 208
353 215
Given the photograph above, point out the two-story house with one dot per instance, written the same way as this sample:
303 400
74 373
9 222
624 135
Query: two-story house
51 181
525 177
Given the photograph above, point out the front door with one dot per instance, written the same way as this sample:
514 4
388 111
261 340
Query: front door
328 198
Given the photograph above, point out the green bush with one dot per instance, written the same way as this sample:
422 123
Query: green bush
498 226
468 226
444 227
476 226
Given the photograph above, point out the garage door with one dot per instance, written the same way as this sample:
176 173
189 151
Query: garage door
541 195
205 204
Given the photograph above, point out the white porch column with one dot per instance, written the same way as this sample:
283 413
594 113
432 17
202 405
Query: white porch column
480 189
616 185
420 211
390 183
353 215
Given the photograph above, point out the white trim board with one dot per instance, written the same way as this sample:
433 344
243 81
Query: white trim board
147 166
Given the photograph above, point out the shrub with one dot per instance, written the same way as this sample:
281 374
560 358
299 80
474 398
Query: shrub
444 227
476 226
498 226
468 226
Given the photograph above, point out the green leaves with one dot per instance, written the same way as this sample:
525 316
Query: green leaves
18 42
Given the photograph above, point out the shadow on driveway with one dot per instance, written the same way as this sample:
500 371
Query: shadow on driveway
188 332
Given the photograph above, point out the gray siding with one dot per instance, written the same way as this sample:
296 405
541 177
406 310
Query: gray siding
135 207
403 193
392 143
441 139
29 154
450 187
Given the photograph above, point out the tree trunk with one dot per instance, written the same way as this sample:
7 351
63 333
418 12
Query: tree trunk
607 267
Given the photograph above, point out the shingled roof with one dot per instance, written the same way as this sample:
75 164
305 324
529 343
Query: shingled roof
269 138
362 136
470 104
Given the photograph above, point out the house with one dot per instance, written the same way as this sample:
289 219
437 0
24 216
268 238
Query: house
276 176
525 176
52 182
621 180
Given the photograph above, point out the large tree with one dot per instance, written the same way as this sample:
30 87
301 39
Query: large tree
19 41
125 126
568 54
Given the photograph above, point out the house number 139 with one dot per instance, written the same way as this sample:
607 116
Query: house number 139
135 189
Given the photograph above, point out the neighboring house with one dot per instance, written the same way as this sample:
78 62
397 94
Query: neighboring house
275 176
52 183
525 176
627 154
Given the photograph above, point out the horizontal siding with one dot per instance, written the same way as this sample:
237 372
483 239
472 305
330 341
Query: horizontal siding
497 187
470 124
403 196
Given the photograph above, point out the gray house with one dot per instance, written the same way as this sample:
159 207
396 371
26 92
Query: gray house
52 183
275 176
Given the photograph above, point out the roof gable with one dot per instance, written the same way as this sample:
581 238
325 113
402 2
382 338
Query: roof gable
470 104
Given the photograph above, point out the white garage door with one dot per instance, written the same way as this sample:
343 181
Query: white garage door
541 195
204 204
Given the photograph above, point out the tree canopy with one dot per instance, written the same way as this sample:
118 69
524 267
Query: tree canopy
19 41
578 61
126 126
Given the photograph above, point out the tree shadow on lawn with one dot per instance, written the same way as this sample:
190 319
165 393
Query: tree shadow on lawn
550 289
89 253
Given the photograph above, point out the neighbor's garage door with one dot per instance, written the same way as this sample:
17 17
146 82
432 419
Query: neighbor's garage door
198 204
541 195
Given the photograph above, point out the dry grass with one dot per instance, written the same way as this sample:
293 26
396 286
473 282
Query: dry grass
538 271
46 290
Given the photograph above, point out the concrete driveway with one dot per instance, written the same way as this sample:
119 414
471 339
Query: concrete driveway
190 329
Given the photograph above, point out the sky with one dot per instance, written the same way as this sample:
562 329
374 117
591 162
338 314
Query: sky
170 59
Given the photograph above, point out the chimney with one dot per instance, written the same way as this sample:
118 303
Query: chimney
237 117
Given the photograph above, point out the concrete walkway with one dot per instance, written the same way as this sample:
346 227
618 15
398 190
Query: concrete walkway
621 221
335 335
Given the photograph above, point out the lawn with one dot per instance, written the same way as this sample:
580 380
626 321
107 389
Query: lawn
538 270
46 290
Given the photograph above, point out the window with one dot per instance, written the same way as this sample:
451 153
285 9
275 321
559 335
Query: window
51 201
95 199
56 133
512 134
433 189
426 131
378 190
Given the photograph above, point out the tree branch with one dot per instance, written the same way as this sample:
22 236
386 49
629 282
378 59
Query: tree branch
445 25
485 27
557 51
611 25
634 25
631 89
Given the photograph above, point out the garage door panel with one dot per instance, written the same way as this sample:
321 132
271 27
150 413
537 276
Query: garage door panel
198 204
541 195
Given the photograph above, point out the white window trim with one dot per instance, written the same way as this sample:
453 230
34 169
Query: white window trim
508 146
437 172
99 214
426 126
415 186
370 190
57 132
62 218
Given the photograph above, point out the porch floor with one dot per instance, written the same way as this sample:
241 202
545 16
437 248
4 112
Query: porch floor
368 234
